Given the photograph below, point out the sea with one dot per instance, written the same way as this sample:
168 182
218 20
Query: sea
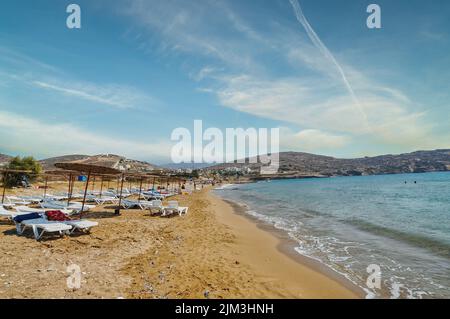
388 234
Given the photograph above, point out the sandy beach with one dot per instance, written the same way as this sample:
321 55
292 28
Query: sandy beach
214 251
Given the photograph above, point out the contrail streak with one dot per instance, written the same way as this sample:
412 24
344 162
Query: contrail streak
324 50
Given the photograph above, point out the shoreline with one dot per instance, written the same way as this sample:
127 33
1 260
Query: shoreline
286 246
322 282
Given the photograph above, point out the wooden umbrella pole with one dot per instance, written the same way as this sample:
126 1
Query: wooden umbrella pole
153 187
85 192
140 190
69 191
101 187
120 196
93 186
5 177
45 186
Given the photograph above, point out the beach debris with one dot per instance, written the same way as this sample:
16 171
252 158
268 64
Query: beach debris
206 294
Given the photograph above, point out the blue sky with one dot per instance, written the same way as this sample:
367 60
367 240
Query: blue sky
137 69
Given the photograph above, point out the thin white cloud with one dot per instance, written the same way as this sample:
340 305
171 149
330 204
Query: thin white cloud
21 134
27 70
20 60
113 95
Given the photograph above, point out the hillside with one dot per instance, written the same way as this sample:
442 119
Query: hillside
4 159
293 164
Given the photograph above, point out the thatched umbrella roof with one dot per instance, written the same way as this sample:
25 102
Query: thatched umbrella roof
88 168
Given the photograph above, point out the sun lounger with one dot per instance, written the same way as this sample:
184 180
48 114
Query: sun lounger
106 200
26 209
14 200
127 204
40 226
81 225
10 214
156 207
61 205
174 208
152 195
51 197
31 199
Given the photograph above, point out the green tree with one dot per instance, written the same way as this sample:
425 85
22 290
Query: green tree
27 163
195 173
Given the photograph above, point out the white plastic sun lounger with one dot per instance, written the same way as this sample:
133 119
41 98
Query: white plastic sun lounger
106 200
26 209
10 214
50 197
41 226
150 195
60 205
127 204
14 200
156 207
33 199
174 208
81 225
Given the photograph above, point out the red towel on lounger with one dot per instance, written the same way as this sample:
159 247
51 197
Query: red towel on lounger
56 215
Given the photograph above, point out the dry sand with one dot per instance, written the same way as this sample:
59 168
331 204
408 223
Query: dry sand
212 251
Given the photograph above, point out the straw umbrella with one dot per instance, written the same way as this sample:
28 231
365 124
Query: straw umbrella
90 170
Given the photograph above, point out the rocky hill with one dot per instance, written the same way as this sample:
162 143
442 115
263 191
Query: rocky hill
294 164
4 159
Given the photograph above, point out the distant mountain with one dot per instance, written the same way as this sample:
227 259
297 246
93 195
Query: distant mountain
186 165
294 164
108 160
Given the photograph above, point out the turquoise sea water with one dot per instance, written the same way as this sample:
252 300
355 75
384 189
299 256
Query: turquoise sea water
399 222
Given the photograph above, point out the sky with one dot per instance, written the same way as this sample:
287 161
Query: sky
138 69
